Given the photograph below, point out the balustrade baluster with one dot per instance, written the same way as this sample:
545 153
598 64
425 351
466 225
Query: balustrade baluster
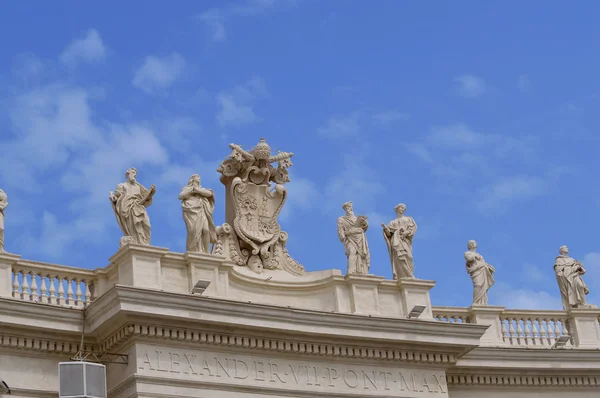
505 335
61 290
52 297
520 335
88 294
16 293
557 331
34 287
69 290
543 331
44 289
537 331
511 331
565 330
25 285
78 303
528 326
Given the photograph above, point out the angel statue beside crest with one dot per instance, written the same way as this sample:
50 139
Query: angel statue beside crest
252 235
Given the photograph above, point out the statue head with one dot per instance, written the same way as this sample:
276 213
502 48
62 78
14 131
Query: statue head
400 209
194 180
564 250
131 174
348 208
472 245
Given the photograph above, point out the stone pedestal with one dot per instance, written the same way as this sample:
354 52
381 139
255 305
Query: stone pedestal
416 292
488 315
139 266
364 297
210 268
584 327
7 261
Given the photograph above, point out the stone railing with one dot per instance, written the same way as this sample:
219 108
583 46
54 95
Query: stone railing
452 314
46 283
529 328
534 328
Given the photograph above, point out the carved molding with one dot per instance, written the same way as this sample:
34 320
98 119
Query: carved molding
271 344
521 380
41 344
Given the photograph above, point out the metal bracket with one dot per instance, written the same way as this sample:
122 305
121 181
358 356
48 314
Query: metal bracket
101 357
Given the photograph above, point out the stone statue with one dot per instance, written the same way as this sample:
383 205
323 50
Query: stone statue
251 235
351 231
570 283
481 273
198 204
3 204
129 201
398 235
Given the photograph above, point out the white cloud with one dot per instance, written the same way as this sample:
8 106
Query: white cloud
158 73
457 136
420 151
508 296
215 21
524 84
470 86
303 194
216 18
235 105
591 263
534 274
356 182
391 116
58 145
88 49
507 190
339 126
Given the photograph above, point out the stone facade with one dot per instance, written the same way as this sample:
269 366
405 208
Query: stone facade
246 320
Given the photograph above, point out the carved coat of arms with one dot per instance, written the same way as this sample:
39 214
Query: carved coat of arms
256 213
256 239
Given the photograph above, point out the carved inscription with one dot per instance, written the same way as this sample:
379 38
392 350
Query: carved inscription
264 372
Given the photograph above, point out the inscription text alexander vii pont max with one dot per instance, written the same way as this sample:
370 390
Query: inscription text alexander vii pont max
293 374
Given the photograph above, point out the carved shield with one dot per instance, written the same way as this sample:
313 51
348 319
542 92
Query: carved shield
257 209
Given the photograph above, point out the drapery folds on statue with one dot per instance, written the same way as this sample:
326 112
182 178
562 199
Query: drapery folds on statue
129 202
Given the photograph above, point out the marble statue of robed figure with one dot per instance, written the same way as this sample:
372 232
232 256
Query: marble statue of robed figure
351 232
198 205
3 204
482 274
398 235
570 282
129 201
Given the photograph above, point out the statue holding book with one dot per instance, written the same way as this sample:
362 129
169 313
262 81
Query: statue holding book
351 231
129 201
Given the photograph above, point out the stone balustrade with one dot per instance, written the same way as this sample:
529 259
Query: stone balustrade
531 328
157 268
528 328
45 283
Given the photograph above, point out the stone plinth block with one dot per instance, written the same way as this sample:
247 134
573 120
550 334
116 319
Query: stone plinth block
364 294
488 315
584 327
208 268
416 292
7 261
139 265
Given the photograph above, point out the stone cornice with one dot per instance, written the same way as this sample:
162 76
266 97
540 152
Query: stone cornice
42 344
513 380
498 358
193 309
135 331
40 316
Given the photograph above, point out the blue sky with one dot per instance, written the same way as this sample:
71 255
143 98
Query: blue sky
479 117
